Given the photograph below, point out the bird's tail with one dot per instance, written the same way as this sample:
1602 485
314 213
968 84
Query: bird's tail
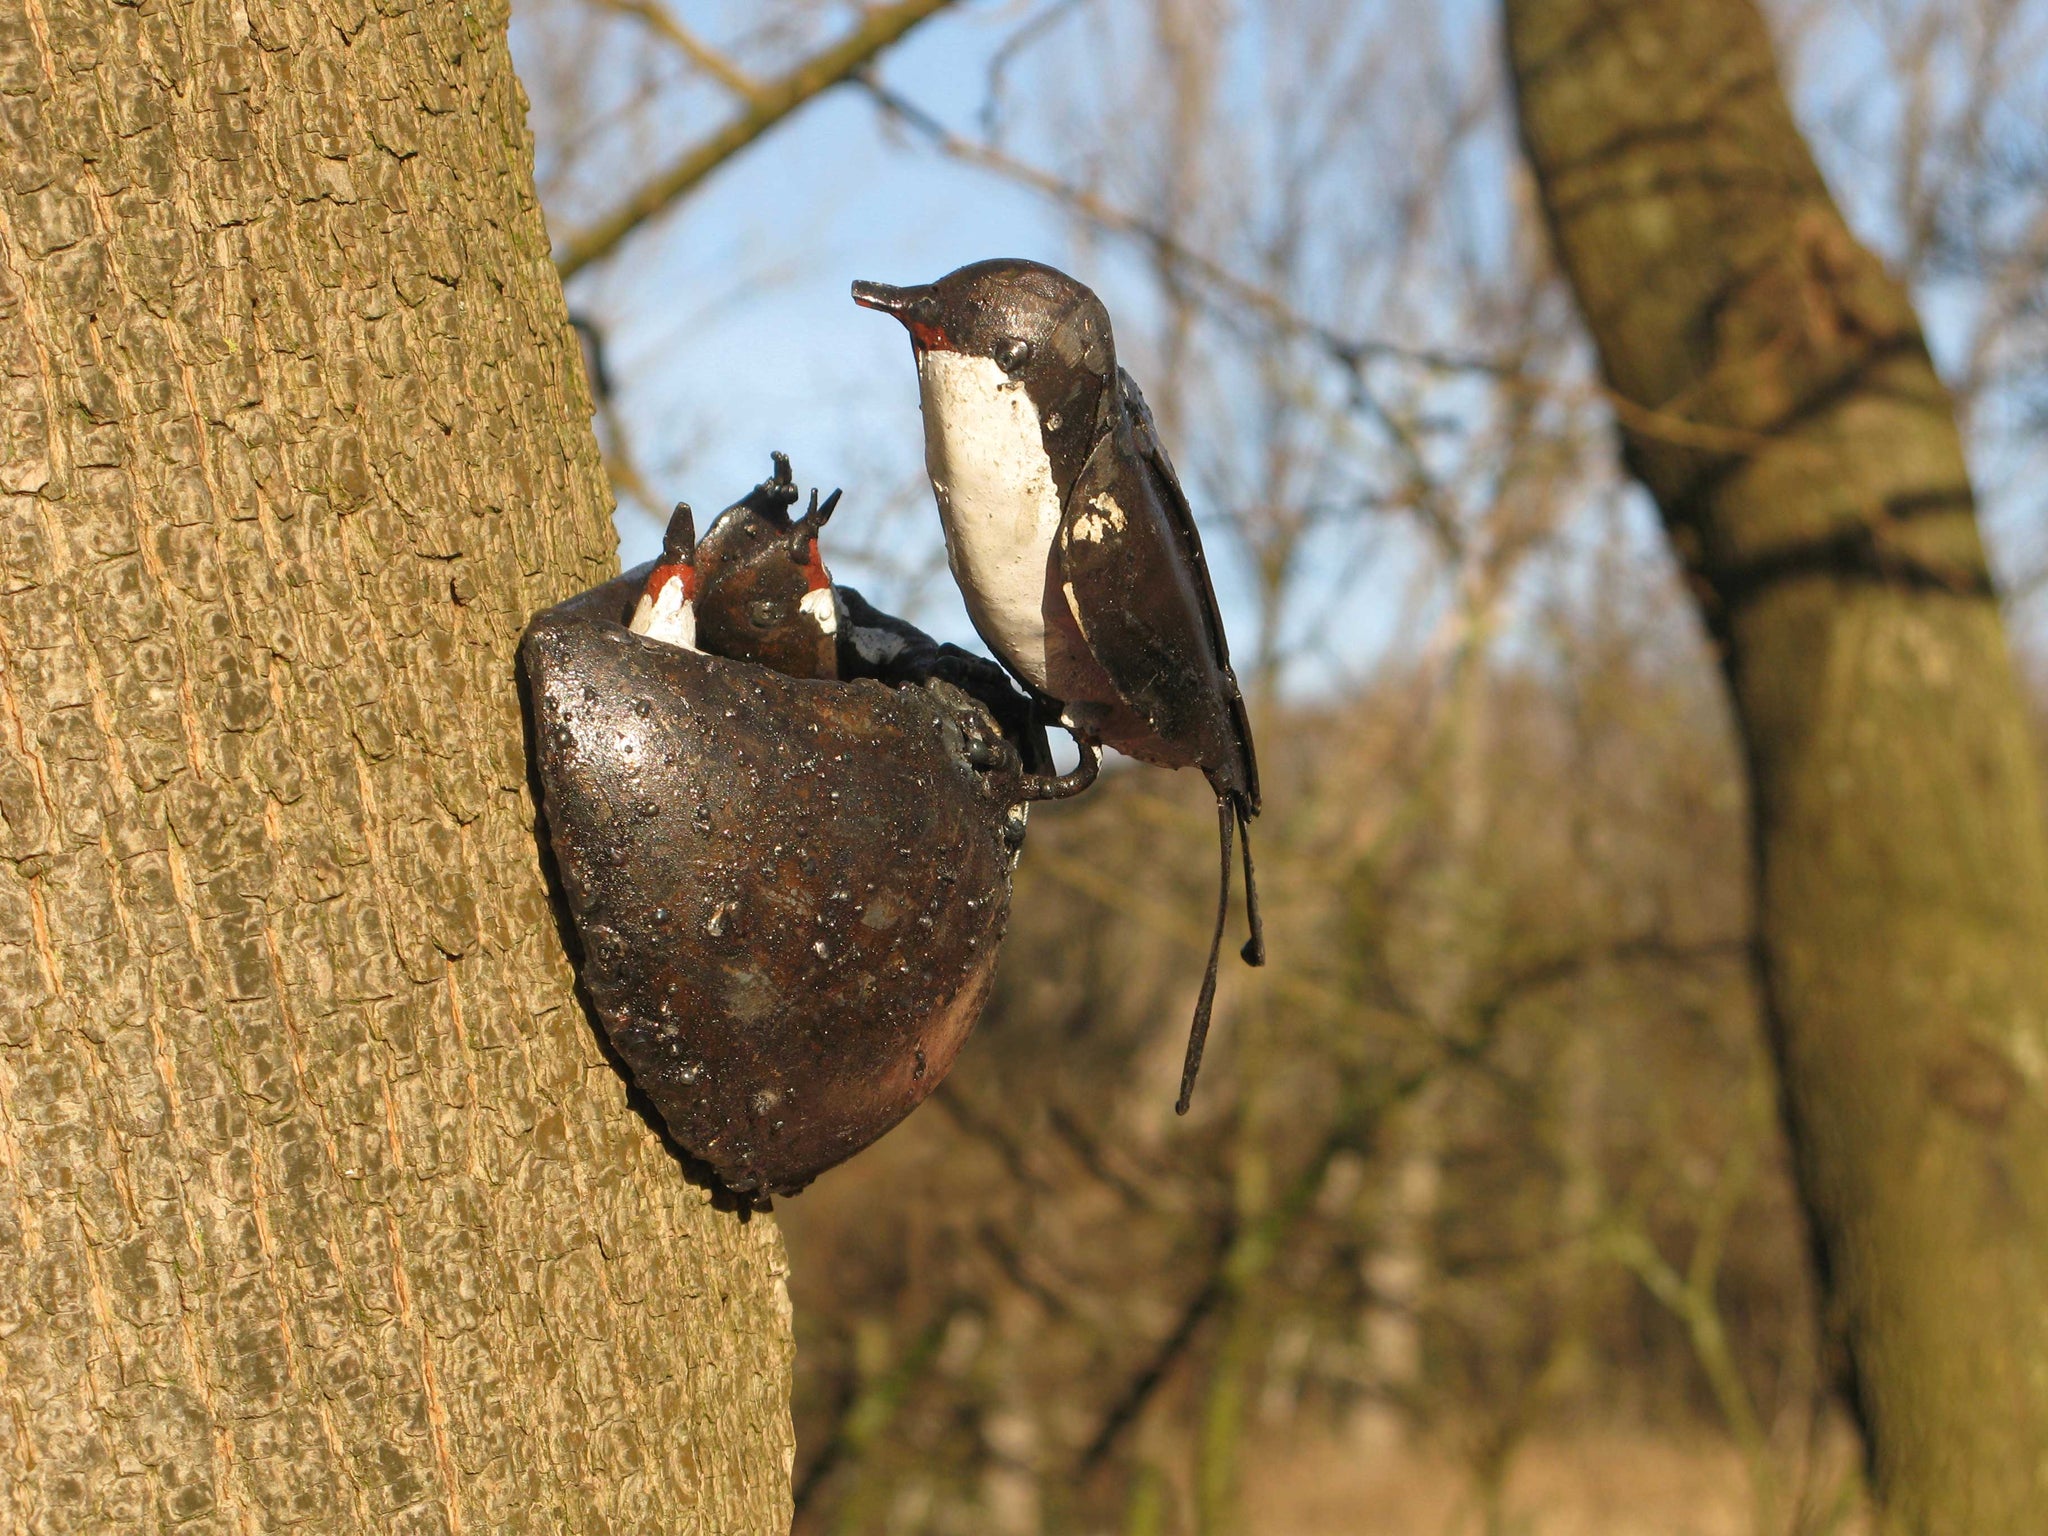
1254 951
1232 814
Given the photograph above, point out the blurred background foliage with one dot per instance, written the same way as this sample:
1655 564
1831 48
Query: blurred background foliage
1482 1221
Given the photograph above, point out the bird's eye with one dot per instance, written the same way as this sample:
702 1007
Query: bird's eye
1013 354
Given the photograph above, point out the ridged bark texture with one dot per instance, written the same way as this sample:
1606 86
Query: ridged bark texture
1780 404
320 1205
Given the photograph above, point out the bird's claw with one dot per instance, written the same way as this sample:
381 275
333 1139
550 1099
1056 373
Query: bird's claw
1046 786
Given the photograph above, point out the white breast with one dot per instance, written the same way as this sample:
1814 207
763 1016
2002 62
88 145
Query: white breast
997 500
667 616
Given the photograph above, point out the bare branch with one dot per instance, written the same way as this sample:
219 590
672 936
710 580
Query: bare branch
1241 1252
1004 57
1011 1261
656 18
1138 1391
1349 352
1163 918
1094 1159
874 1408
1690 1295
767 105
953 1101
1213 274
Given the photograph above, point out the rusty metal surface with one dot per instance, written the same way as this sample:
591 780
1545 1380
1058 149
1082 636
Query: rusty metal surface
789 892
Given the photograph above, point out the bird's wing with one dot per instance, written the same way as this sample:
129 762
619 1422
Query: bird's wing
880 645
1138 585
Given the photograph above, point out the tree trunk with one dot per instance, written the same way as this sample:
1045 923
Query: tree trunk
1778 400
319 1200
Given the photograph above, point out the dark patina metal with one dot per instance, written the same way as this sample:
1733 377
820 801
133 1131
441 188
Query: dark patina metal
1145 665
754 568
789 892
891 650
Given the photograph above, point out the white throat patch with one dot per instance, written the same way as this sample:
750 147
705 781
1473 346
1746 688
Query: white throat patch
822 604
668 616
1001 510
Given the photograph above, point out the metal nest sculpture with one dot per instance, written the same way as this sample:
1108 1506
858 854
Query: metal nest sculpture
789 890
786 821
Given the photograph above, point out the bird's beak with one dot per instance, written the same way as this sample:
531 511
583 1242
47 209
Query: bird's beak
894 301
905 304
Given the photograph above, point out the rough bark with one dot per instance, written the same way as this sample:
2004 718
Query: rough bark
1783 410
318 1200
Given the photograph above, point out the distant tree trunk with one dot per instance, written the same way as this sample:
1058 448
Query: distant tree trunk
1777 399
318 1200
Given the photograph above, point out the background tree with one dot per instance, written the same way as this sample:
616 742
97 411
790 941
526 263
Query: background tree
1901 880
1485 1220
319 1201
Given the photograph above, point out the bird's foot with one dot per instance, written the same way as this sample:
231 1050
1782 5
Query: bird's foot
1046 786
981 742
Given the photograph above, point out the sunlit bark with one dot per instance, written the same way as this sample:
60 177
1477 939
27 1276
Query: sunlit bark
319 1201
1901 873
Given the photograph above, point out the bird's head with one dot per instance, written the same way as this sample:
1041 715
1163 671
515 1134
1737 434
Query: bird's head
1027 318
666 610
990 331
764 592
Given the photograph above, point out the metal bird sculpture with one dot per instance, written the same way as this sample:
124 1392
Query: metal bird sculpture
763 593
1074 545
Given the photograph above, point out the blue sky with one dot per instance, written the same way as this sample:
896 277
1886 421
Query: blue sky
768 351
730 331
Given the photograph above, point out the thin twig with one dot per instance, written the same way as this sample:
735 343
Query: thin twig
767 105
1115 220
1351 353
1138 1392
954 1103
657 19
1169 922
1011 1263
1516 985
1093 1158
1243 1252
999 63
872 1410
1690 1295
